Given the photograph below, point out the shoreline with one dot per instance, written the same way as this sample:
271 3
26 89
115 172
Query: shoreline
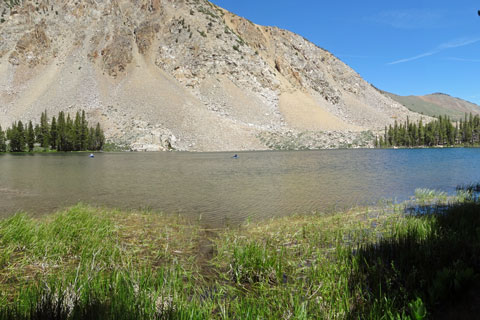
141 264
245 151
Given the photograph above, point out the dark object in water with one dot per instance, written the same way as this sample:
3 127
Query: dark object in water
91 155
235 156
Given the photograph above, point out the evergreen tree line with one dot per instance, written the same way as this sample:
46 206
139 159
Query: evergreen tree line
62 133
440 132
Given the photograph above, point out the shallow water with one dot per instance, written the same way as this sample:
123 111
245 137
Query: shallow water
221 190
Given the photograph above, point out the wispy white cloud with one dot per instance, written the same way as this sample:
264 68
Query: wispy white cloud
461 59
423 55
444 46
410 18
458 43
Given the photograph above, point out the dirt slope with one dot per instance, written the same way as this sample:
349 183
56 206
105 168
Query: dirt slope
180 73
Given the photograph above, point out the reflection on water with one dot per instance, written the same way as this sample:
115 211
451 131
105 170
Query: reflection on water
223 190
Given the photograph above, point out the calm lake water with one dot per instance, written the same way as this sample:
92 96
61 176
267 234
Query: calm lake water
222 190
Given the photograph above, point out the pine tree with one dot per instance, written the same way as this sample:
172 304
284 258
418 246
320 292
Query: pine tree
441 131
64 134
468 132
8 133
84 132
91 139
77 127
476 126
53 134
99 137
395 134
415 135
421 133
38 134
382 143
390 136
12 137
16 135
70 134
30 136
3 142
470 122
44 127
385 137
450 132
21 136
61 132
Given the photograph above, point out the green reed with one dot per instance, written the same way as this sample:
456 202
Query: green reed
365 263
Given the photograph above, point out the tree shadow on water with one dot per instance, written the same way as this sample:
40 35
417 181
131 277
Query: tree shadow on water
428 268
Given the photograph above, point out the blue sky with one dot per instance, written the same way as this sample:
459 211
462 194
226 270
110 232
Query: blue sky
405 47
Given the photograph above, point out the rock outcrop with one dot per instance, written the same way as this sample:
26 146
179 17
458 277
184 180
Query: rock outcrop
181 74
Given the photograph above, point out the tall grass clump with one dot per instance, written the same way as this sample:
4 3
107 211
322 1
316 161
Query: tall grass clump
252 263
428 196
79 264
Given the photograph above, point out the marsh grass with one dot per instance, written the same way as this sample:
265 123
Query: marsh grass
472 187
296 267
428 196
122 265
387 262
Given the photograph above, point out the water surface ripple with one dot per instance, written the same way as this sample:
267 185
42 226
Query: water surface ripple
222 190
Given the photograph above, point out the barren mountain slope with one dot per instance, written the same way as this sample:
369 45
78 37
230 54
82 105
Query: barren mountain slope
184 74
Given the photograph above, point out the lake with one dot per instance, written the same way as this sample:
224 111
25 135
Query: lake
221 190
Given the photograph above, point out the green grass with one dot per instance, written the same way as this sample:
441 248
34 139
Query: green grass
428 196
365 263
84 260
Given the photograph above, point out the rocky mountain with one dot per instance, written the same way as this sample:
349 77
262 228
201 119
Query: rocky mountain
437 104
181 74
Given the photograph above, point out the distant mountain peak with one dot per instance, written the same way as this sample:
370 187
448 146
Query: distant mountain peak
436 104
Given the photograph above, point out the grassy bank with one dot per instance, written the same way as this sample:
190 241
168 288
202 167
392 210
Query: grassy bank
366 263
